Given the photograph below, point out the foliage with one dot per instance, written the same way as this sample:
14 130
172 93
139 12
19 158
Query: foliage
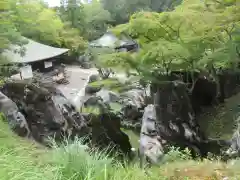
95 19
8 32
33 19
94 53
70 38
37 22
121 10
173 41
71 11
90 18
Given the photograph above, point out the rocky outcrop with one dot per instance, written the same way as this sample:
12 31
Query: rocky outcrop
108 96
130 104
106 133
49 114
15 118
89 89
176 123
133 104
151 146
106 126
47 111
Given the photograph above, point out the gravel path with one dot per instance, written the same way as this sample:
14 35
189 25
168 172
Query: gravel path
78 79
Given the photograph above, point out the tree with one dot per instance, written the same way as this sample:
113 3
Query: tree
163 5
173 41
196 35
9 34
90 18
71 11
96 20
33 19
70 38
121 10
37 22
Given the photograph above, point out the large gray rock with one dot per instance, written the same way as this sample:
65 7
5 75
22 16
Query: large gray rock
234 143
176 122
133 104
106 126
15 118
150 142
108 96
47 111
89 89
129 104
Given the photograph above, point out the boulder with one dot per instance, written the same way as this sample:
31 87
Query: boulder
47 111
106 133
104 96
233 150
84 61
105 72
203 94
150 146
130 105
106 127
176 122
133 104
94 78
108 96
89 89
15 118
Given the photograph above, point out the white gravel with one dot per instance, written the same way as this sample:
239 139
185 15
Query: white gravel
78 79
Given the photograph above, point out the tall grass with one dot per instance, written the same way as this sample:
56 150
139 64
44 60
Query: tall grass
74 162
24 160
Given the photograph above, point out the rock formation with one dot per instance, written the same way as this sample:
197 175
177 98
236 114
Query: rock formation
49 114
47 111
151 146
176 123
15 118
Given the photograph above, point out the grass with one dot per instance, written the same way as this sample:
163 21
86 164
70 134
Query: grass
22 159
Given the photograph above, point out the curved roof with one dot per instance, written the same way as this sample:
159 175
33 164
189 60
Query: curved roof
111 41
34 51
